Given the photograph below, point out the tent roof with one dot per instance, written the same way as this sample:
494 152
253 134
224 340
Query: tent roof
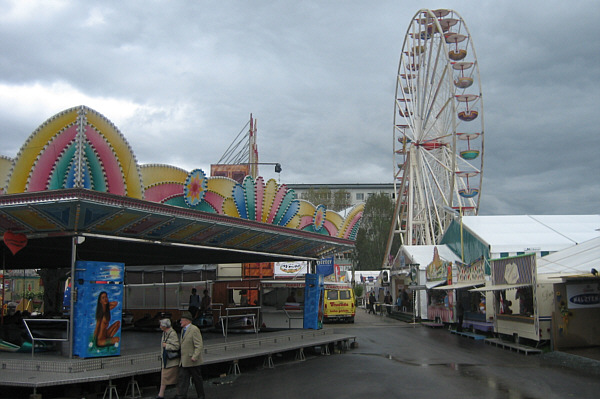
533 233
423 254
575 260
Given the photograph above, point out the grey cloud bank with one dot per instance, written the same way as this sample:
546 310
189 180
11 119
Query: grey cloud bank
179 79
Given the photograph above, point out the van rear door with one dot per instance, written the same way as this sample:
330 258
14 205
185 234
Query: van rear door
339 305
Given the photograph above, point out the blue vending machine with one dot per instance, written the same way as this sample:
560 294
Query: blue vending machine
98 308
313 301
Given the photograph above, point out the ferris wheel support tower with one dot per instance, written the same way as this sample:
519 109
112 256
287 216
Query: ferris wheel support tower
438 129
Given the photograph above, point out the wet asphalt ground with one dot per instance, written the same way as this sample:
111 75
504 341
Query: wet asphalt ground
395 359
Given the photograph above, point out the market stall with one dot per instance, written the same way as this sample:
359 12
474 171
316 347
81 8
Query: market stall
516 310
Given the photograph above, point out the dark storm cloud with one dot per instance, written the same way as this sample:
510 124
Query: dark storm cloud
180 79
541 79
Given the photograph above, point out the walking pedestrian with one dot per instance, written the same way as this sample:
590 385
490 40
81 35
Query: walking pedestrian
372 303
191 358
169 361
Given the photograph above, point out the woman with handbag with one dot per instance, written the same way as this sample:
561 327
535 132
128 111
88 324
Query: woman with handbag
170 357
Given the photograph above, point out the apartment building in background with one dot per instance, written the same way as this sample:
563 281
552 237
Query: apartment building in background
358 192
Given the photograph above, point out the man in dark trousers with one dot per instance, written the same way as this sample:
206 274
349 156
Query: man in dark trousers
194 303
372 303
191 358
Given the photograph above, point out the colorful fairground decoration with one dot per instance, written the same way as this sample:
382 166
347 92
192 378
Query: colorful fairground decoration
80 148
438 269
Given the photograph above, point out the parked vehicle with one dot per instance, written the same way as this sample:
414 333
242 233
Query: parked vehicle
340 304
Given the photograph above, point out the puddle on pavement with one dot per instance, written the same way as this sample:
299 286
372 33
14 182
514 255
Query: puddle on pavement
467 370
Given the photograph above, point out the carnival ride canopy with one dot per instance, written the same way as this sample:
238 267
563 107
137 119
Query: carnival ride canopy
76 175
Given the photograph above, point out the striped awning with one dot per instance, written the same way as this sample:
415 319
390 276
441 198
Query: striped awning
499 287
460 284
430 284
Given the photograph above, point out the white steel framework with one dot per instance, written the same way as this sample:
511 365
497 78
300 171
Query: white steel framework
438 128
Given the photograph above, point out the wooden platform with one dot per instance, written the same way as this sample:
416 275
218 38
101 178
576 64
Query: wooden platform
402 316
478 325
476 337
44 370
527 350
432 324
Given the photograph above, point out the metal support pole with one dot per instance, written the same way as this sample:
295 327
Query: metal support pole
268 363
234 368
3 290
300 355
133 389
72 304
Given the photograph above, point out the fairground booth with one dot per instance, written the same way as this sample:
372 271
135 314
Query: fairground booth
573 284
486 270
75 202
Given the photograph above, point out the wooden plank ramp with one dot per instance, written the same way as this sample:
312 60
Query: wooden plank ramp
476 337
432 324
527 350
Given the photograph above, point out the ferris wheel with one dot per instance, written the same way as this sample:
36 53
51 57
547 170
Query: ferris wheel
438 127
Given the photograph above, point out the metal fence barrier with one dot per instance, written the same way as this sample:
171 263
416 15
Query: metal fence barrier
33 339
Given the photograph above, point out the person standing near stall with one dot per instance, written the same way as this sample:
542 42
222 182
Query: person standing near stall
388 301
372 303
205 303
191 358
194 303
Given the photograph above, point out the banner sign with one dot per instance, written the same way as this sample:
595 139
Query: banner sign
290 269
325 266
513 270
583 296
473 272
437 270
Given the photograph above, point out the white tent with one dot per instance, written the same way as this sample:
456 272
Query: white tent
366 274
515 234
423 254
576 260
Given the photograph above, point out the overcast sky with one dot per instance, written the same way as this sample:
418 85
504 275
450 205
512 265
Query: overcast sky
180 79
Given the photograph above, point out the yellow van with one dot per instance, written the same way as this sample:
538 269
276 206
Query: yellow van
340 304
